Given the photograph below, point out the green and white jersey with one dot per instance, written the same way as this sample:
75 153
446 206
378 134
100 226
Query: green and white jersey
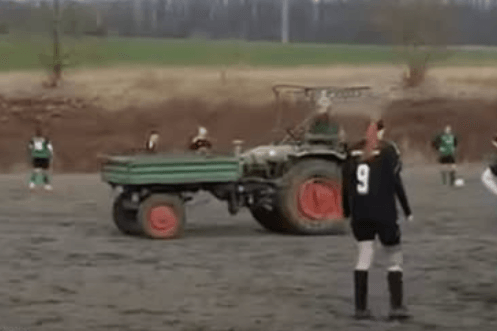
445 144
40 148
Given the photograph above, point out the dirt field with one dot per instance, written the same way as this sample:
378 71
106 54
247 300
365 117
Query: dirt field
65 267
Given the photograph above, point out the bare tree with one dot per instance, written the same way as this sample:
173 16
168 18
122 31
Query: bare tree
56 66
58 59
420 29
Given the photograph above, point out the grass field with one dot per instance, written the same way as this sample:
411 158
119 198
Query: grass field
23 53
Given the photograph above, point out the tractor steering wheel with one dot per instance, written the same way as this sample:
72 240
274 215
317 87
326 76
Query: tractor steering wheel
294 136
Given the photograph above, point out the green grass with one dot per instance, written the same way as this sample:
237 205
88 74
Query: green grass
22 53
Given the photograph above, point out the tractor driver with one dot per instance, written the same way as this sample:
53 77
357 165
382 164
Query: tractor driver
322 122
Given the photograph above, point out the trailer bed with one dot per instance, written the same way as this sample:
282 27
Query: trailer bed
170 169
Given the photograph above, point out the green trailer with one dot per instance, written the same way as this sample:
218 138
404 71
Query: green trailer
152 189
290 186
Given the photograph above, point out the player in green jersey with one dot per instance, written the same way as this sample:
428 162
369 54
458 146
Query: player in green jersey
446 145
41 153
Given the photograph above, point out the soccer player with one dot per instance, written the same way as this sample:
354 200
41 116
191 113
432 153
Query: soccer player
371 182
489 175
201 143
41 151
446 144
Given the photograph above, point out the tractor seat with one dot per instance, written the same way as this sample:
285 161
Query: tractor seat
321 138
322 133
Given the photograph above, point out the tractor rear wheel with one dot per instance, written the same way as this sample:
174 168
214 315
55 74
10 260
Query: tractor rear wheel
125 219
311 198
162 216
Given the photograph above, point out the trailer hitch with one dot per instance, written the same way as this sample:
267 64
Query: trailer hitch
235 199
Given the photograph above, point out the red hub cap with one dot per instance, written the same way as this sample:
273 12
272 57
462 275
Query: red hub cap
163 220
320 199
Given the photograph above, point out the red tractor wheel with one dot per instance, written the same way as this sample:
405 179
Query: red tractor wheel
162 216
311 198
319 199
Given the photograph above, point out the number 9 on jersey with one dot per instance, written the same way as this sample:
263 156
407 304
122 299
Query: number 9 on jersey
363 179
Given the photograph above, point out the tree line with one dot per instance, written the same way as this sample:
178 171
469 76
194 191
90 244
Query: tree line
324 21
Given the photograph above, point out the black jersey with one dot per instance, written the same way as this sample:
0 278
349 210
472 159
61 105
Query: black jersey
493 166
197 144
370 187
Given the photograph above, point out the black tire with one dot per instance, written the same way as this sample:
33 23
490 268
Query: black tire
170 222
125 219
290 205
269 218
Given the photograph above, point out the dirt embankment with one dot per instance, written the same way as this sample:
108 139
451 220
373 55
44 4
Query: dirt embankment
413 124
80 131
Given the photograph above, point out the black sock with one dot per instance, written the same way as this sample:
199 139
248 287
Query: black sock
361 289
452 175
395 287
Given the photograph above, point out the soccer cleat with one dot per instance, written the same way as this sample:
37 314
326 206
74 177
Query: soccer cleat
399 313
48 187
363 314
32 186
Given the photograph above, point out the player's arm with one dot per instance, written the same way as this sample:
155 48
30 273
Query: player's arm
399 185
50 148
488 179
345 188
436 142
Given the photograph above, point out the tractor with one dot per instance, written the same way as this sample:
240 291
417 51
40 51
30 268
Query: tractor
292 185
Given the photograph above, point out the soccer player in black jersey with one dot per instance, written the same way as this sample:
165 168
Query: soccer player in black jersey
371 182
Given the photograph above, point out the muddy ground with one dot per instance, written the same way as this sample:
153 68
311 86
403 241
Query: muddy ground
64 265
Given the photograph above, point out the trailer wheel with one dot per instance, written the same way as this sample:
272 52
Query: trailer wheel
162 216
269 218
311 198
125 219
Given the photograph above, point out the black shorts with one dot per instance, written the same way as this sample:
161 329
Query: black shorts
366 230
41 163
448 159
